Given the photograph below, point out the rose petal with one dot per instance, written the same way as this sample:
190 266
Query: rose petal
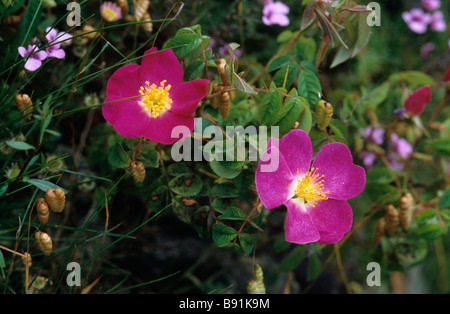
416 102
297 150
132 120
332 218
186 96
342 178
299 227
157 66
125 81
273 187
160 128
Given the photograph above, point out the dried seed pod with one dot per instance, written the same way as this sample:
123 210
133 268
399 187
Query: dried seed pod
26 259
12 20
224 105
140 7
24 105
406 209
44 242
221 63
56 199
137 171
91 34
42 210
392 219
380 230
256 286
216 87
123 4
324 112
148 27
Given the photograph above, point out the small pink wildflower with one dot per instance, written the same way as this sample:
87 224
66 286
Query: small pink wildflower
400 146
417 20
426 49
275 13
55 40
437 22
431 5
35 57
368 159
415 103
110 11
314 197
164 103
374 135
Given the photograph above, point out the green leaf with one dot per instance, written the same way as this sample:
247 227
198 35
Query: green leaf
314 267
426 215
309 87
281 79
3 189
222 171
278 63
441 146
413 78
242 85
183 44
269 107
306 120
378 95
381 175
2 263
288 115
41 184
30 21
280 244
193 70
293 259
233 213
224 190
308 15
444 201
118 157
186 184
19 145
183 212
222 234
248 242
339 129
430 231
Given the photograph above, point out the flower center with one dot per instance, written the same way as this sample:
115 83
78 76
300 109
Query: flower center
310 188
155 99
109 14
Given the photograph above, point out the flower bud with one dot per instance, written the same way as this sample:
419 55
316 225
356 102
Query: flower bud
324 111
137 171
256 286
392 219
406 208
224 105
26 259
24 105
44 242
56 199
42 210
380 230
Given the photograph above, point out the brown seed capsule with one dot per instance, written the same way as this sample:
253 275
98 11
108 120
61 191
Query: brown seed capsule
24 105
221 63
380 230
324 112
392 219
26 259
88 31
42 210
406 209
137 171
216 87
256 286
140 7
123 4
56 199
224 106
148 27
44 242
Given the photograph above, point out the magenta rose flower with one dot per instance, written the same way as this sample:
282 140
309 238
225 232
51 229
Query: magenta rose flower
415 103
163 103
314 195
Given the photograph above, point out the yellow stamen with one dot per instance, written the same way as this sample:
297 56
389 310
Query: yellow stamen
155 100
310 188
109 14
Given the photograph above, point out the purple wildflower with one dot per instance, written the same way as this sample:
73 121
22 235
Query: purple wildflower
437 22
417 20
275 13
55 40
431 5
35 57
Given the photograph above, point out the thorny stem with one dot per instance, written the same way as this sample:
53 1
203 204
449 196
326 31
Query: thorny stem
136 150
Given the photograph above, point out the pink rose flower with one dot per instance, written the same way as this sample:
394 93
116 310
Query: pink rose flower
164 102
416 102
431 5
110 11
314 197
35 57
437 22
275 13
55 40
417 20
